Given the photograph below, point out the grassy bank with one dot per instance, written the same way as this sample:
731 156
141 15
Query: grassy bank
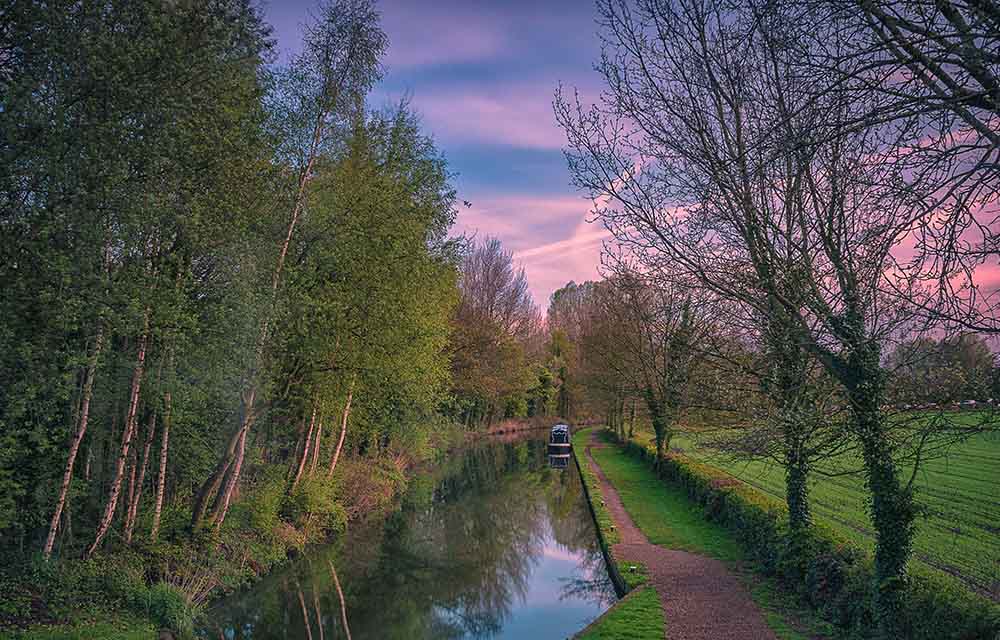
132 591
637 617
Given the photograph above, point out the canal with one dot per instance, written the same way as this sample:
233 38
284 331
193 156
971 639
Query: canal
494 543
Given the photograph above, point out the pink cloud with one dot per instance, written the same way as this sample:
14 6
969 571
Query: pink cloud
517 116
550 262
470 43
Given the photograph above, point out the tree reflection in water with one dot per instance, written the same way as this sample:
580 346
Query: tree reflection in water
459 559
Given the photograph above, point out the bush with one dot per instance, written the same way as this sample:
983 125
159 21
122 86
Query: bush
827 571
264 500
168 608
315 505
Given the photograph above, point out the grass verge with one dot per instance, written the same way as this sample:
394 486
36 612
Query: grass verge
669 518
637 617
123 628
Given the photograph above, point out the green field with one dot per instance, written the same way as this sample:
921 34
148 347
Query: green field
959 531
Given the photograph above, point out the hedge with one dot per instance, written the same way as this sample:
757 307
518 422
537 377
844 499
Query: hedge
828 572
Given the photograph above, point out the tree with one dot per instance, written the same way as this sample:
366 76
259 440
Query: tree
660 329
124 130
721 155
494 323
311 104
926 371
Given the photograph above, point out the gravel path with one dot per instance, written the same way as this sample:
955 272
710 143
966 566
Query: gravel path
701 599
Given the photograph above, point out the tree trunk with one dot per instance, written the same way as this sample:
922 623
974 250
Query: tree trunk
132 464
343 431
340 596
631 421
297 451
208 493
305 452
316 447
893 512
234 478
134 503
161 477
127 432
74 447
797 489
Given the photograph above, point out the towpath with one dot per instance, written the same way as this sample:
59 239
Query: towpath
702 599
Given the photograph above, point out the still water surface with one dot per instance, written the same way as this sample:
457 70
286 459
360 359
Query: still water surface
493 544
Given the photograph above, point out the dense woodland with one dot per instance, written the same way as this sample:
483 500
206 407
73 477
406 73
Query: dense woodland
235 317
232 311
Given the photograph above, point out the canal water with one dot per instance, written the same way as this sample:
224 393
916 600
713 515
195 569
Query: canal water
495 543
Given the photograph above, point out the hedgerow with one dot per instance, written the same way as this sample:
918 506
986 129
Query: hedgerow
826 571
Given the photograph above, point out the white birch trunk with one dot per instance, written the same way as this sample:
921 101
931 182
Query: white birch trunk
74 447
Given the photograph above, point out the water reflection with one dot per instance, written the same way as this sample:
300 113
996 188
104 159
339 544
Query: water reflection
559 461
497 544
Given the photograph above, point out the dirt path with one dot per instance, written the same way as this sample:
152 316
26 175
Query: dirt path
701 599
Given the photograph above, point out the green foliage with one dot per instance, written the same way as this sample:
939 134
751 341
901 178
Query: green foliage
314 503
264 501
169 609
80 590
118 627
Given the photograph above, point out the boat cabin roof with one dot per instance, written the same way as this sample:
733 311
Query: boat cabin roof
561 427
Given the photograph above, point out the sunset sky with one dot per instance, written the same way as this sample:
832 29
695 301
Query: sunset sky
482 76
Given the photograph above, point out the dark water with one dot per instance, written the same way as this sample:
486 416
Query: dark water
494 544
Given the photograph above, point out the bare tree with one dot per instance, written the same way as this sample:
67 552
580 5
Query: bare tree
660 329
933 65
496 321
721 154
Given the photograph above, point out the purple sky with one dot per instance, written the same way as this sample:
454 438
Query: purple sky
482 75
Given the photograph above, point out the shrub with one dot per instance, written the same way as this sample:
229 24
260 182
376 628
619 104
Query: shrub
168 608
314 505
263 502
827 571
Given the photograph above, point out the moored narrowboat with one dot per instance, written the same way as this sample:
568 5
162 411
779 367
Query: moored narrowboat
559 443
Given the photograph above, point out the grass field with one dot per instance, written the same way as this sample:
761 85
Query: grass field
959 530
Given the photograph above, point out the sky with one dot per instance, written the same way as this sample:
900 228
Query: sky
482 75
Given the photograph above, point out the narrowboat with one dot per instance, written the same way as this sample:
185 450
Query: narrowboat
559 442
